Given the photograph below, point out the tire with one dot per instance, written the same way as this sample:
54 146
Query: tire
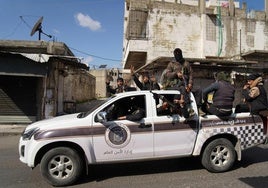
61 166
219 155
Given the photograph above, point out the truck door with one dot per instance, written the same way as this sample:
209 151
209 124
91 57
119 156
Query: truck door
123 138
172 134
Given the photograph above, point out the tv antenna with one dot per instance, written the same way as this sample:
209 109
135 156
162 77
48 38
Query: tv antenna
38 27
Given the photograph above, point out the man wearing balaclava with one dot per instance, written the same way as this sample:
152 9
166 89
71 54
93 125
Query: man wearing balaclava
178 75
178 72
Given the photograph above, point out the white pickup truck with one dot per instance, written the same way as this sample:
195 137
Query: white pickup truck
64 146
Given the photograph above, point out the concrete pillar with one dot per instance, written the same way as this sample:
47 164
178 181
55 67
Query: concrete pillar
202 6
266 9
244 6
231 8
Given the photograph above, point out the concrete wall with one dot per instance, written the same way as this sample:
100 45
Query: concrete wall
202 29
101 76
171 24
65 86
79 86
169 28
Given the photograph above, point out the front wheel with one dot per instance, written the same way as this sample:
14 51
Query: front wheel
219 155
61 166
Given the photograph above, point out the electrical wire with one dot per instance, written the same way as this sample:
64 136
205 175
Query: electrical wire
103 58
14 30
88 54
21 17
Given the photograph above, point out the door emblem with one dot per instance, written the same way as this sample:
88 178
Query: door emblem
117 135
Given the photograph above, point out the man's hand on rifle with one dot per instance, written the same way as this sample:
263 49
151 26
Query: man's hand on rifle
165 105
179 74
189 88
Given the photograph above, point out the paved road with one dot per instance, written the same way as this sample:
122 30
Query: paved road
251 172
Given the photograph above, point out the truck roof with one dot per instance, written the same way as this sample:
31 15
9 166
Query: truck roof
149 91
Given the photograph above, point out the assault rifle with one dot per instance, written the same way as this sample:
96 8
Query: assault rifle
164 99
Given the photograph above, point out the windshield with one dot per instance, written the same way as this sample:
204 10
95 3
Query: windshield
97 105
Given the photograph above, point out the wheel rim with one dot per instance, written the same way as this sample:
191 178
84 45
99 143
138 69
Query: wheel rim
60 167
220 156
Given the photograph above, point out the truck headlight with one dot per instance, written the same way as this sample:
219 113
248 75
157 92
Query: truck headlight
27 134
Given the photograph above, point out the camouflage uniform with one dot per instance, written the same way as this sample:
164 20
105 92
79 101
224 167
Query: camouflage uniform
170 78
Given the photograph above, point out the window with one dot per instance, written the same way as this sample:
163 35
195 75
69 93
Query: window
251 26
137 26
127 106
211 27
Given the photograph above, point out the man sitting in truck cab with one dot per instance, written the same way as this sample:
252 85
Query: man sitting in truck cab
137 109
130 108
116 109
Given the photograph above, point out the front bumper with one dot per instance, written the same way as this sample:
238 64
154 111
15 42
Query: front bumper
24 151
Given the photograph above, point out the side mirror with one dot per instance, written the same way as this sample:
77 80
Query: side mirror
101 117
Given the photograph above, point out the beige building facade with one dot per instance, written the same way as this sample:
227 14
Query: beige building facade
202 29
214 35
40 80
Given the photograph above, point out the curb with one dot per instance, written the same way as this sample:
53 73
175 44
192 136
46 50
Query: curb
11 130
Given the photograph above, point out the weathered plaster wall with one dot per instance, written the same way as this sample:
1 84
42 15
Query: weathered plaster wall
171 24
79 86
169 28
101 76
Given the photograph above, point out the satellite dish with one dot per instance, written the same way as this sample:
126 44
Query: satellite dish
102 66
38 27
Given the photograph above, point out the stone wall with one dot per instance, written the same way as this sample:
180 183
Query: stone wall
79 86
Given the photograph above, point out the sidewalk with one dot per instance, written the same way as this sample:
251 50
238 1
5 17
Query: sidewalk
17 129
12 129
